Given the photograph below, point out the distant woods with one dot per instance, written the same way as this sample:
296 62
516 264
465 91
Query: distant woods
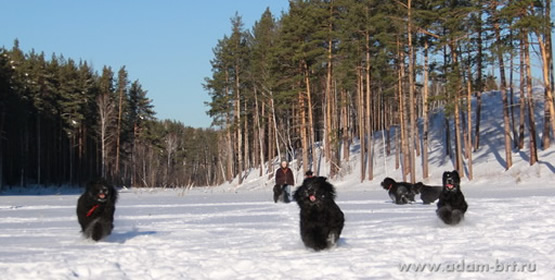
63 123
330 74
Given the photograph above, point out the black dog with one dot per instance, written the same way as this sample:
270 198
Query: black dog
321 219
95 210
400 192
451 205
428 194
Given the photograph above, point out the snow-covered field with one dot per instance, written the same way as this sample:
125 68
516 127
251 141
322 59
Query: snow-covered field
244 235
237 232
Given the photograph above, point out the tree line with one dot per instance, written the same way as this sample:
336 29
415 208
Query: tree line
63 123
327 74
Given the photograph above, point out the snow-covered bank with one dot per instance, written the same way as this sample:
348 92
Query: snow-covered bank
488 163
244 235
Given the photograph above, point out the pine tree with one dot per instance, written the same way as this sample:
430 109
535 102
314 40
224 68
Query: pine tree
106 112
121 90
262 76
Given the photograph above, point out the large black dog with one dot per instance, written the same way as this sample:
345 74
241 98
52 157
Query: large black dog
428 194
320 218
451 205
399 192
95 210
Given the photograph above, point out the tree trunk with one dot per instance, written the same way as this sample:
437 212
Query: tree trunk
549 116
530 102
246 149
512 94
412 131
38 149
397 149
522 98
369 130
239 130
425 115
275 134
304 140
345 126
260 132
403 119
118 132
311 134
448 149
327 97
468 140
458 142
480 84
335 139
229 153
360 114
104 115
506 122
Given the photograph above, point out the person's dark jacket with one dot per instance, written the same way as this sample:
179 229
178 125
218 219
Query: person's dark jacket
284 176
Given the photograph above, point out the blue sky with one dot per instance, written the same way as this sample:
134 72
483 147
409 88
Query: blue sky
166 45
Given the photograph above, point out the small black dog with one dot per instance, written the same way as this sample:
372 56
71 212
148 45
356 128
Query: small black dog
451 205
321 219
95 210
399 192
428 194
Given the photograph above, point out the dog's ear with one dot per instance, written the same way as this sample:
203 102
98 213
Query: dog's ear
330 190
321 180
456 176
387 182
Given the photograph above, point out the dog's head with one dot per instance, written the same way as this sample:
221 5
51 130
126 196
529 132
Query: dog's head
387 183
314 191
451 181
100 191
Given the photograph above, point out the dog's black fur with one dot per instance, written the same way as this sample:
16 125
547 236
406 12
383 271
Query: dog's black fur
95 210
321 220
428 194
399 192
451 205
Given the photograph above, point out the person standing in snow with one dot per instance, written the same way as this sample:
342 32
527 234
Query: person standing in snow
284 181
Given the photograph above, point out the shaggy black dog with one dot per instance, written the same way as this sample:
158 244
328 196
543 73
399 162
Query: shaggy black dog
428 194
95 210
321 219
400 192
451 205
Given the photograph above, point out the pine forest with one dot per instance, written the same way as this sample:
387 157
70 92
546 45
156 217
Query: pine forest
302 86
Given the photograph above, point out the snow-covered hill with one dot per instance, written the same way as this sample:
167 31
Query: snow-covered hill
488 160
237 232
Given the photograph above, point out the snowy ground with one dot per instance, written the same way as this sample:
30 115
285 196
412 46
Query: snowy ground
244 235
237 232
